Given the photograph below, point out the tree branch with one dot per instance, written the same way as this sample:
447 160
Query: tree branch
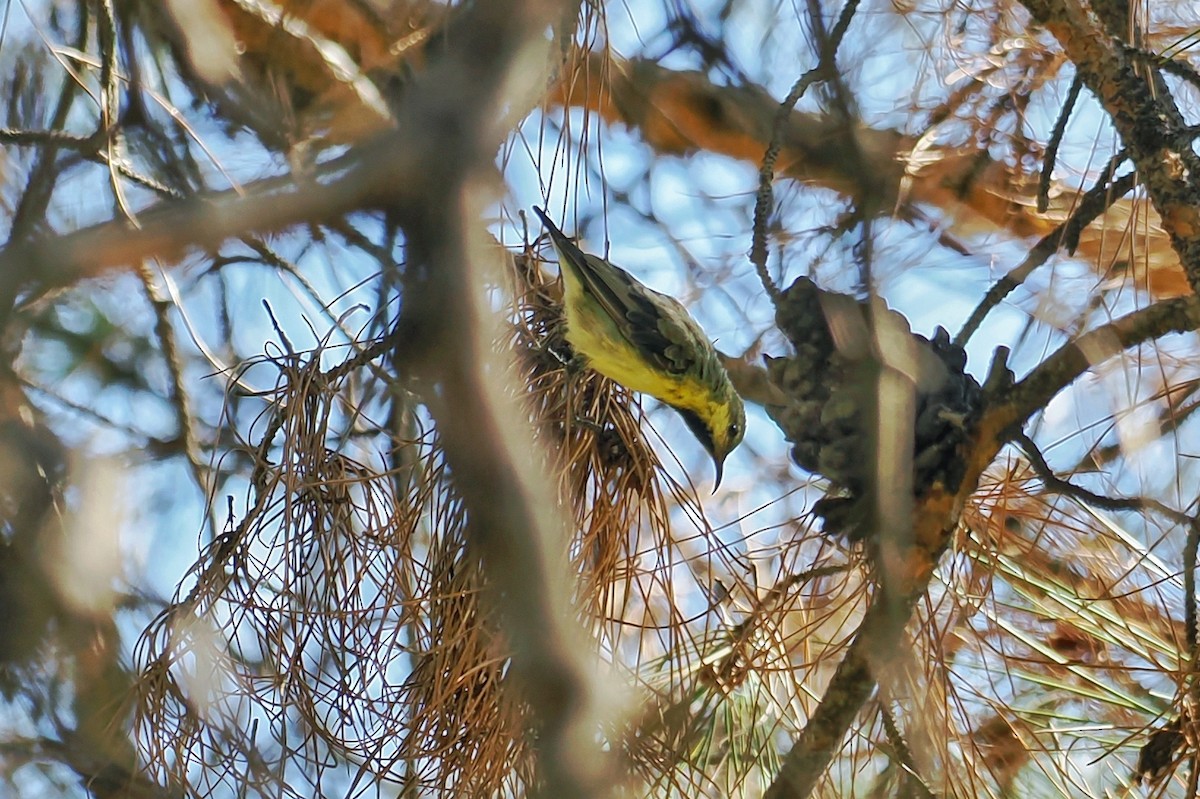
937 516
1147 119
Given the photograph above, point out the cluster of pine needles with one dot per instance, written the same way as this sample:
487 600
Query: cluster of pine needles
335 631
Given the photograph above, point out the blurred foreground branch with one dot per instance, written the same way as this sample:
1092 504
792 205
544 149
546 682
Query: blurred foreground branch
444 336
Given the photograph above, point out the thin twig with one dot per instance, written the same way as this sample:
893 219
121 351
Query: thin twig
1061 485
40 138
1056 135
764 197
43 176
1190 545
165 332
903 755
1095 202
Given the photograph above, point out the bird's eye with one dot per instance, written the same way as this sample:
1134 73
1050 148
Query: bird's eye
734 429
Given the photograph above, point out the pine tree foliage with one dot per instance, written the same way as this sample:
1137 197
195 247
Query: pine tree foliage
304 493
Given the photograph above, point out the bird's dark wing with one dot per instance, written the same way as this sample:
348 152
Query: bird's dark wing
662 328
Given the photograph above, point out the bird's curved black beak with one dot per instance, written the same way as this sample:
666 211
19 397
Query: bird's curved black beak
720 464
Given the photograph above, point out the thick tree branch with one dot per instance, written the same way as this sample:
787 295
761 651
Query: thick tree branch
1145 116
675 112
1016 404
679 112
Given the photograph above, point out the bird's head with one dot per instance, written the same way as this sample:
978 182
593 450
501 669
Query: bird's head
719 425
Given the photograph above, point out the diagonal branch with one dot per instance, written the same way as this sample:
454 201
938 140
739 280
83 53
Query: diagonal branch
937 516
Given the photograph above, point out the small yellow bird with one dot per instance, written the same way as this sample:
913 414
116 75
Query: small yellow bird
647 342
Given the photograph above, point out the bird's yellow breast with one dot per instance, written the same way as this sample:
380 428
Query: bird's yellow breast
593 335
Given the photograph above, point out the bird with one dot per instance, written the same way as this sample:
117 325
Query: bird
649 343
